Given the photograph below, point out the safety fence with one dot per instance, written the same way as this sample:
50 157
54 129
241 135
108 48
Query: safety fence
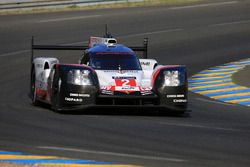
28 4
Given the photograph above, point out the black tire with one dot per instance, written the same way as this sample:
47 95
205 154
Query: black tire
55 99
34 100
55 105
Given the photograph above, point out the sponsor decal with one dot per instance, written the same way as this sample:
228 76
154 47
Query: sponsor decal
41 85
39 65
106 88
175 96
125 82
117 71
127 88
142 88
124 77
79 95
54 62
145 63
179 100
73 99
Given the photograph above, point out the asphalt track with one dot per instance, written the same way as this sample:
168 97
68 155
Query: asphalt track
200 36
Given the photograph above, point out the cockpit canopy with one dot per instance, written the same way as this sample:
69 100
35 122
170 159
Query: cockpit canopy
118 57
111 61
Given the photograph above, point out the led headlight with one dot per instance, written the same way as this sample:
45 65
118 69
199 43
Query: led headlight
79 77
171 78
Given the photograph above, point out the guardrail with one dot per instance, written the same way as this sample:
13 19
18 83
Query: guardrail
28 4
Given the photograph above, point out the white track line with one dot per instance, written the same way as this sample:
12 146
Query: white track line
14 53
204 5
230 23
68 18
152 33
187 125
123 36
113 154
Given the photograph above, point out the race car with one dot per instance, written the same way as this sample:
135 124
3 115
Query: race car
107 75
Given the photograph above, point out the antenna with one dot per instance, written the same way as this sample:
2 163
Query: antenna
106 29
32 51
107 34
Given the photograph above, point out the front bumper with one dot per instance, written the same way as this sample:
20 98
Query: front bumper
120 100
106 107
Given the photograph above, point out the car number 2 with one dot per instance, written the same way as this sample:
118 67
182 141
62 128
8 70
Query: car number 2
125 82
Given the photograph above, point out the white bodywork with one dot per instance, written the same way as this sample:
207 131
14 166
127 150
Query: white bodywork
84 85
148 67
111 80
98 40
42 67
128 80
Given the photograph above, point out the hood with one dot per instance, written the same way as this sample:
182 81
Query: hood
119 77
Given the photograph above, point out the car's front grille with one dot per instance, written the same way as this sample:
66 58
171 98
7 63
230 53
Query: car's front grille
137 93
120 98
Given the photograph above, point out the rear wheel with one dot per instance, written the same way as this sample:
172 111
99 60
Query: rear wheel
33 89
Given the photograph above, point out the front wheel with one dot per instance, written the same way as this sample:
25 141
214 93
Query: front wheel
55 99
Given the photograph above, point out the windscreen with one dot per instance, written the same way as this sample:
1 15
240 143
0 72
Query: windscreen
115 62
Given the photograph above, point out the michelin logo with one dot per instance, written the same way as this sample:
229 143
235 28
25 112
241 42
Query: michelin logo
180 100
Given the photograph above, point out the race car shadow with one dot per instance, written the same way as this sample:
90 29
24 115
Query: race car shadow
120 112
128 112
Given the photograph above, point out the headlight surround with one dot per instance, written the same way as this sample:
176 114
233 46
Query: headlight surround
79 77
171 78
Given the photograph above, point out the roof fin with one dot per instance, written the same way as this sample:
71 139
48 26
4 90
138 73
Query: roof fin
107 34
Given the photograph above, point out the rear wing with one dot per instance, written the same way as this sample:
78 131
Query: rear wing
143 48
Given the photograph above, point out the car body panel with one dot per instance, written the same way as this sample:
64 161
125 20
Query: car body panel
110 75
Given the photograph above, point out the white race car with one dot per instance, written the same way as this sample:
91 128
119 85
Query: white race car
108 75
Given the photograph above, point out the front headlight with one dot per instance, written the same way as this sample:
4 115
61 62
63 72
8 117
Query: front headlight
171 78
79 77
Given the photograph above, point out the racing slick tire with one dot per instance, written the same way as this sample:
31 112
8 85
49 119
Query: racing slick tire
54 104
55 96
33 91
55 101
